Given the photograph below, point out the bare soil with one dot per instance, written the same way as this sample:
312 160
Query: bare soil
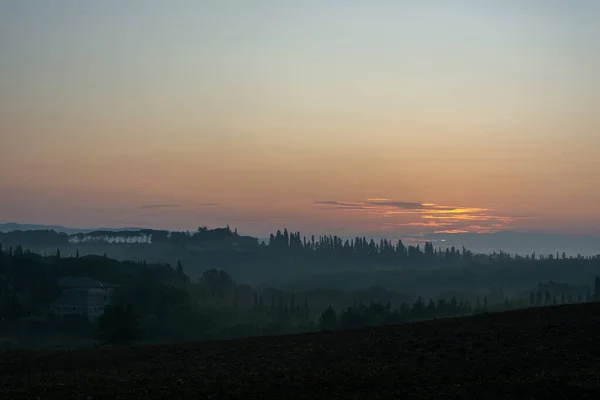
536 353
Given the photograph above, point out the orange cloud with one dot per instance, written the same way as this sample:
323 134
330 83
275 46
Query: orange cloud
451 231
426 224
429 216
470 217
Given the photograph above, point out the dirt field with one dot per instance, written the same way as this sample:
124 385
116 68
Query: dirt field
543 353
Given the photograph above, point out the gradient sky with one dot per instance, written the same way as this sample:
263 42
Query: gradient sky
470 116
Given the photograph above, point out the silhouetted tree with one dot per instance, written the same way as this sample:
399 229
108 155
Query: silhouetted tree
328 319
118 326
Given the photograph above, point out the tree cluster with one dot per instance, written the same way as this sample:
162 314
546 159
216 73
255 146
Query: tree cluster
160 303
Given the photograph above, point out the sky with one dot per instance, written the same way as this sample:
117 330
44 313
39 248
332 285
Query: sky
397 118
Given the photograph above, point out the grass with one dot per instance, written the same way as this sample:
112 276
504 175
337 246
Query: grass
549 352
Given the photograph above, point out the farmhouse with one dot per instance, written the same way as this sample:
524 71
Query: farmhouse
83 296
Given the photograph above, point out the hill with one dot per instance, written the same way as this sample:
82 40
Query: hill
12 226
531 353
507 241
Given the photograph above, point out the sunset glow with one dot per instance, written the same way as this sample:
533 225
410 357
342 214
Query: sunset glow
403 119
427 217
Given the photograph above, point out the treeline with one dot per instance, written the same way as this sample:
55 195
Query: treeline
281 243
44 238
168 306
359 316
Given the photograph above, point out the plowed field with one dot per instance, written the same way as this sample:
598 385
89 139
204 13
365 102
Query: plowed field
543 353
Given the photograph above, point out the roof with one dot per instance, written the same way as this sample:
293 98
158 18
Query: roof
82 282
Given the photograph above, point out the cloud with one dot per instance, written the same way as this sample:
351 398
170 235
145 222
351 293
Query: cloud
406 205
208 204
452 231
397 207
154 206
427 224
370 204
425 217
471 217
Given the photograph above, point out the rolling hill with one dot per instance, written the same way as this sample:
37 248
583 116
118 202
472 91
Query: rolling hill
12 226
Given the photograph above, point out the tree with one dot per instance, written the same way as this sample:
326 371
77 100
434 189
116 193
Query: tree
119 325
216 282
328 319
305 310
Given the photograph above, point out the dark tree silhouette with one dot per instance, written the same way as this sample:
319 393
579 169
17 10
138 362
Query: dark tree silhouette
119 325
328 319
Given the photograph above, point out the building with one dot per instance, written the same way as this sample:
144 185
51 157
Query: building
83 296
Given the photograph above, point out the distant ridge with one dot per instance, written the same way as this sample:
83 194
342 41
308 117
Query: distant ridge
12 226
513 242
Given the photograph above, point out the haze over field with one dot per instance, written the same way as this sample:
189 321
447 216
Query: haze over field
388 118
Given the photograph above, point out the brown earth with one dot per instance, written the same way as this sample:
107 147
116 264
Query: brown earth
543 353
